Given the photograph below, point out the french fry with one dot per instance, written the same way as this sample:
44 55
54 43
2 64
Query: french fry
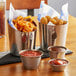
23 25
19 18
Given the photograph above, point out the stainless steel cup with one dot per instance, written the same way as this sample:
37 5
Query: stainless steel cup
58 68
31 62
43 36
21 40
57 52
47 35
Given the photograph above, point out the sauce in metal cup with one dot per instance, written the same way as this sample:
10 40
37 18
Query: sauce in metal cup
57 52
58 64
30 59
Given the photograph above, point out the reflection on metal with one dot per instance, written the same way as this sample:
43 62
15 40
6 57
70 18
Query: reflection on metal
47 35
21 40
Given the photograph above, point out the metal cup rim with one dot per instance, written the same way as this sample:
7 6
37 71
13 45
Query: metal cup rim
58 59
31 50
56 47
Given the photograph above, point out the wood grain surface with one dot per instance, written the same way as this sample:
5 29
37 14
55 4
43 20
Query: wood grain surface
24 4
44 69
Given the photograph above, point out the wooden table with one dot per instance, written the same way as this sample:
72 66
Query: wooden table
44 69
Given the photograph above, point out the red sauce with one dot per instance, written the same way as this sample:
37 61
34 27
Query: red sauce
30 53
58 62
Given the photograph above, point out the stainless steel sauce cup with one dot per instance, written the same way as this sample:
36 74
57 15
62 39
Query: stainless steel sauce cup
21 40
57 52
31 62
58 68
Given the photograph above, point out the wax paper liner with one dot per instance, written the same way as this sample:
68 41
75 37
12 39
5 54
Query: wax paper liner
14 14
45 10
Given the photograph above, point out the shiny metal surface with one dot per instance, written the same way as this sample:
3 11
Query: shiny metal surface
43 36
58 68
57 52
47 35
31 62
21 40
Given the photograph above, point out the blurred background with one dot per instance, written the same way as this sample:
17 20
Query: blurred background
56 4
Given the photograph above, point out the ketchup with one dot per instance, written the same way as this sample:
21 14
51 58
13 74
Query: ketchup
30 53
58 62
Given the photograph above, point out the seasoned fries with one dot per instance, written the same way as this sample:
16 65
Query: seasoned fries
24 24
54 20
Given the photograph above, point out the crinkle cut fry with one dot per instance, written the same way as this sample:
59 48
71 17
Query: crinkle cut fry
23 25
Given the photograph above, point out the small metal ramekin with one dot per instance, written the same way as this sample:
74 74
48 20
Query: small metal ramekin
31 62
58 68
55 52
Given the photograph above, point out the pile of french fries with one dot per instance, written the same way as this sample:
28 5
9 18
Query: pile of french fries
24 24
27 24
